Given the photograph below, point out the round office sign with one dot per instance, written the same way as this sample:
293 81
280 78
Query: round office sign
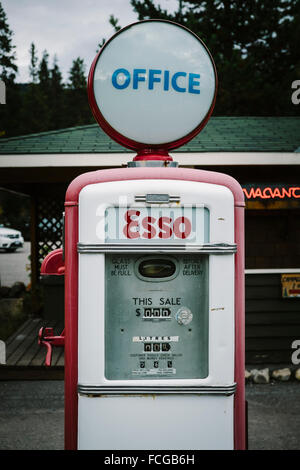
152 85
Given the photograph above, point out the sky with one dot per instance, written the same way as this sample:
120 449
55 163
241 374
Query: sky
65 28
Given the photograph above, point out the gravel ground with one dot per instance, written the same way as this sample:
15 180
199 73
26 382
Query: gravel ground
32 415
274 416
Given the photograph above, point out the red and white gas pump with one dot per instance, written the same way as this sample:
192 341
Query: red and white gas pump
153 262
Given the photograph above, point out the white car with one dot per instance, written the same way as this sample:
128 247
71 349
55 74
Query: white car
10 239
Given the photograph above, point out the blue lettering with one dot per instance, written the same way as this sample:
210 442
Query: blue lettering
166 80
194 83
152 78
137 78
121 78
114 79
174 81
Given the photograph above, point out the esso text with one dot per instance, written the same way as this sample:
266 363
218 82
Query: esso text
151 227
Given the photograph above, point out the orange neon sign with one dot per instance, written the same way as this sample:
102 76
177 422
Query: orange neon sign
272 193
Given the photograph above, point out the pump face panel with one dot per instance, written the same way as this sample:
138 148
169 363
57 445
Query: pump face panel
155 325
156 315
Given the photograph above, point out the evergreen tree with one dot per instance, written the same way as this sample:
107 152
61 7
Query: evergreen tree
33 71
255 45
44 72
56 96
78 110
29 113
114 22
44 100
55 76
8 68
9 121
77 78
43 94
100 45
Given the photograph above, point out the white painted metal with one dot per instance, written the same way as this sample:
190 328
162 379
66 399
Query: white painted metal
99 416
98 160
155 422
273 271
159 47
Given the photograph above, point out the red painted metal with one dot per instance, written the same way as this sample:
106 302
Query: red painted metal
53 264
122 139
71 324
47 339
239 399
124 174
71 283
153 154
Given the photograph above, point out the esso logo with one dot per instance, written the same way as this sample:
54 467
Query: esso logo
148 227
153 83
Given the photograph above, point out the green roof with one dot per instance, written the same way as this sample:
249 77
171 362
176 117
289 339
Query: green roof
221 134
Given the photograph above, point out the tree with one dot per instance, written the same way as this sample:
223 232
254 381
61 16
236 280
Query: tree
77 78
44 72
114 22
78 111
36 111
255 45
55 76
100 45
9 113
33 71
8 68
56 96
29 112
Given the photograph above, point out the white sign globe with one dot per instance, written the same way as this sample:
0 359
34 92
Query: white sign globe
153 84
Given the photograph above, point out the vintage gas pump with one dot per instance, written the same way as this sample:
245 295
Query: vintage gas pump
154 262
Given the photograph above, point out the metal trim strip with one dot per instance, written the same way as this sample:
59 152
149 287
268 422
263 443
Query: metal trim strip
273 271
149 199
218 248
226 390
